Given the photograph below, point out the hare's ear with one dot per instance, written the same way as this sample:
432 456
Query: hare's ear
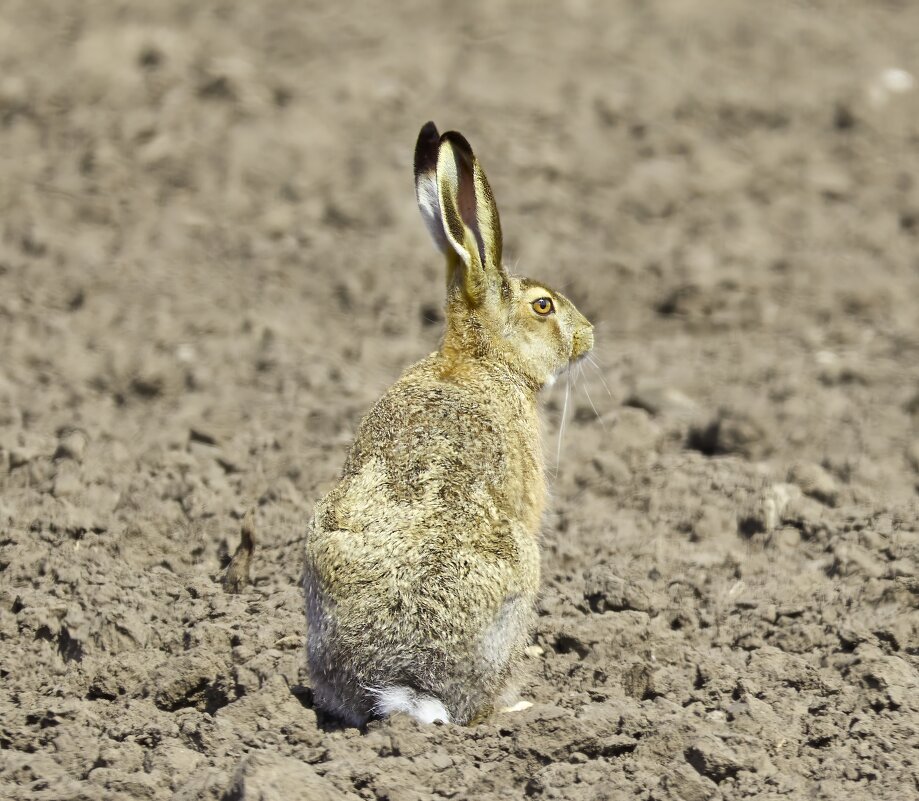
426 184
469 214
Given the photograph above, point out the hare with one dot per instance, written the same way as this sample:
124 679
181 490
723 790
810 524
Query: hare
422 564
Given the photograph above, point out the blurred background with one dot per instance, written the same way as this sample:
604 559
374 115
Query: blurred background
728 191
211 264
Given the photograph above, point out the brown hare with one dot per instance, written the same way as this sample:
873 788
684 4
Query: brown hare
422 564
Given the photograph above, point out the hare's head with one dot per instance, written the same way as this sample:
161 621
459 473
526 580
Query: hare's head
534 331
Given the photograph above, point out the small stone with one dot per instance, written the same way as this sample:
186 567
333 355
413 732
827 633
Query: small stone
815 482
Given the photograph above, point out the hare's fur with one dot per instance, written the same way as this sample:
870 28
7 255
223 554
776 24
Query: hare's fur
422 564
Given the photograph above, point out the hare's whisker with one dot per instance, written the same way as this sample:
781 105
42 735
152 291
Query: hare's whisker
600 375
561 427
591 402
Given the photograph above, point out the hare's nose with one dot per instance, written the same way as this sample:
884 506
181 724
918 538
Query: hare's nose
583 341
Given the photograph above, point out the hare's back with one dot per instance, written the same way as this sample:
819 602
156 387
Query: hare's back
436 446
426 510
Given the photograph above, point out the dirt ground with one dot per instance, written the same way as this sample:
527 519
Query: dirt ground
211 264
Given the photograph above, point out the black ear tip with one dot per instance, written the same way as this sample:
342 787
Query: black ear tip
426 148
428 137
458 142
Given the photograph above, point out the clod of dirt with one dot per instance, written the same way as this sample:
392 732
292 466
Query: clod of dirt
21 455
712 758
708 525
604 591
237 576
889 681
683 783
633 430
192 680
663 401
66 484
815 482
730 432
638 681
267 776
71 445
850 558
607 472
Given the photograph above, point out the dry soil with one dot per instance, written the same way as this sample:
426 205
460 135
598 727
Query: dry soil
211 264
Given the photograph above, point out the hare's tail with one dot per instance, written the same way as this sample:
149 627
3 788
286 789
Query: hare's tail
394 699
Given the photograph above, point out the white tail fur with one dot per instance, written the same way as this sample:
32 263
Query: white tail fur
424 708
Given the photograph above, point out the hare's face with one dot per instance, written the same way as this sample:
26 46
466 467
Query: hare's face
545 329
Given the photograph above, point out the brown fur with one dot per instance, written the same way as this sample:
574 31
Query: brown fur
422 564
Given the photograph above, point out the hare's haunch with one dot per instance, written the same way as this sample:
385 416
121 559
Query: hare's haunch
422 564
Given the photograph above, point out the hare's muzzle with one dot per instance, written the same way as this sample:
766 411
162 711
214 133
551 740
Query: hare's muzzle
582 342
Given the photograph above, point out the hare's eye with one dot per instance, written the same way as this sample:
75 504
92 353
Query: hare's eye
543 306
